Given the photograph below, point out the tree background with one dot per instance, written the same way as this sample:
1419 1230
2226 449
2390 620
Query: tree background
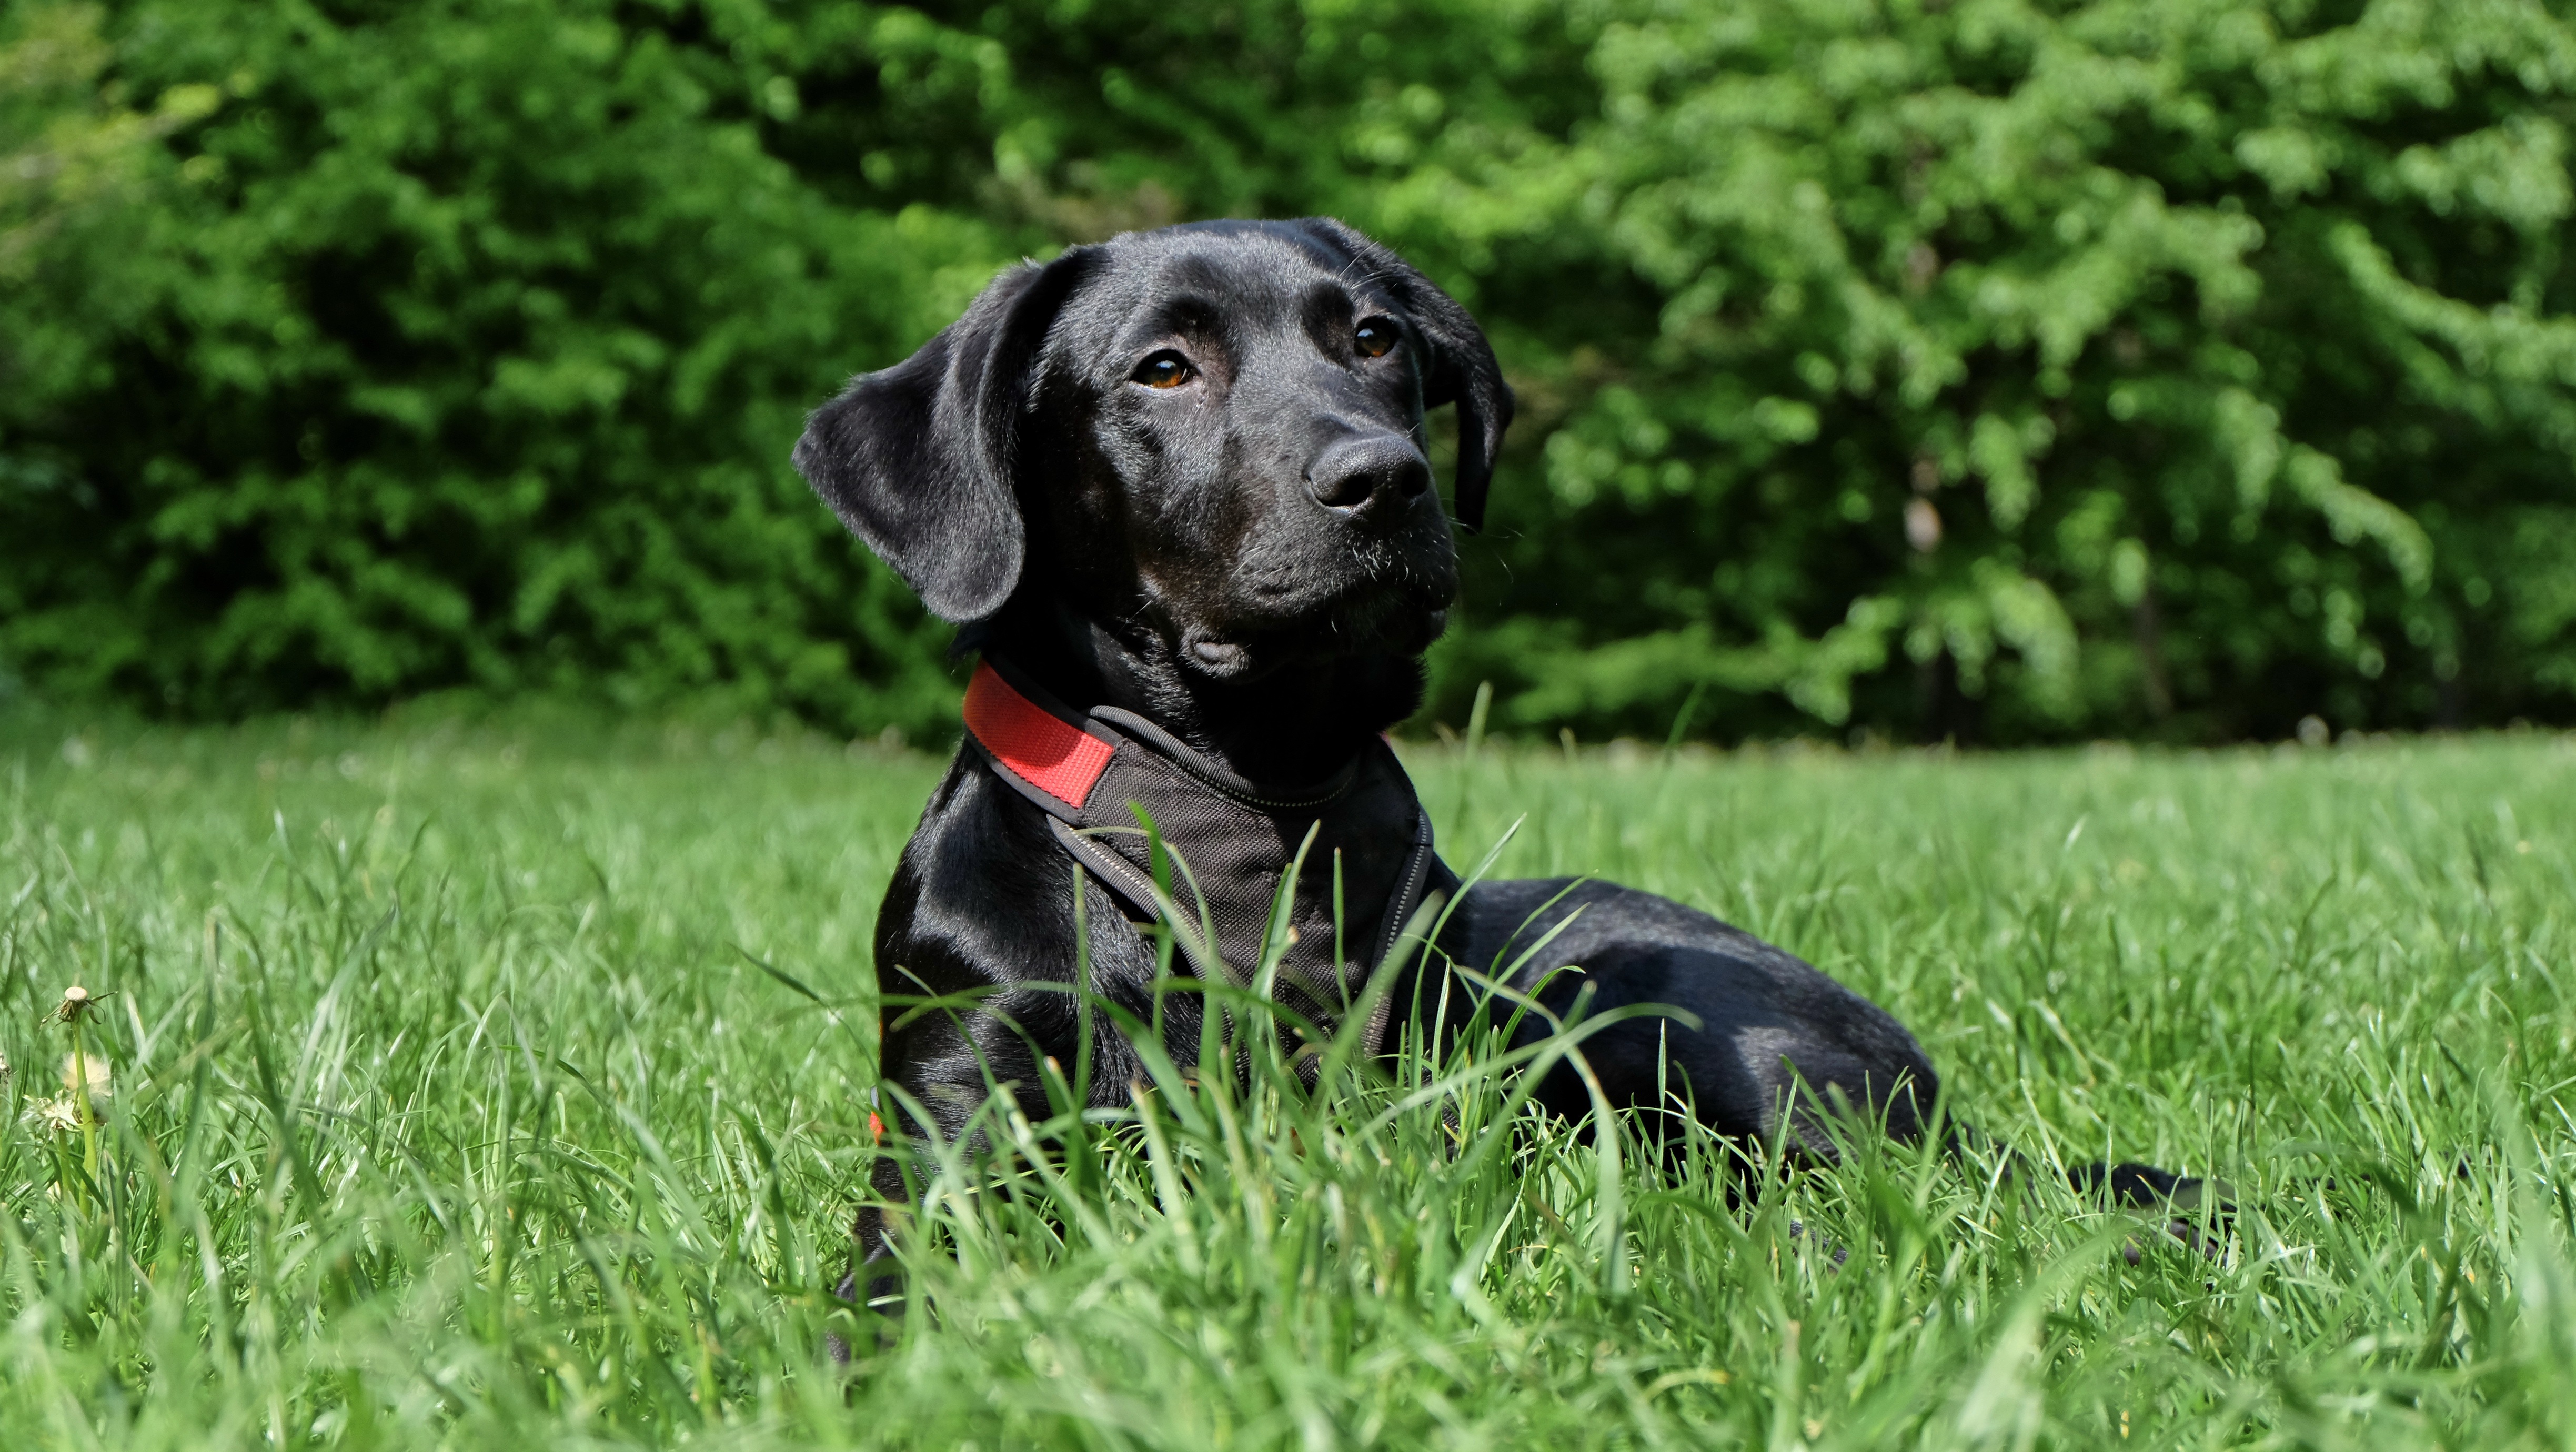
1999 371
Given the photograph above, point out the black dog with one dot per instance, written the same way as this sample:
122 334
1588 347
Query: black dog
1176 487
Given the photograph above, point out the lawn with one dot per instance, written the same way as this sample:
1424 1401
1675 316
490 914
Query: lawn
505 1084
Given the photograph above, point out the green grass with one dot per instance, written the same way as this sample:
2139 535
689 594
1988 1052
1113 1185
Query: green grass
449 1107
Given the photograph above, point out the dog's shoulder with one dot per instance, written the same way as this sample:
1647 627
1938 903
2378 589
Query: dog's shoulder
975 830
981 884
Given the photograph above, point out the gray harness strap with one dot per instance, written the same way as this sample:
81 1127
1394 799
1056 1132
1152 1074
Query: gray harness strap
1367 874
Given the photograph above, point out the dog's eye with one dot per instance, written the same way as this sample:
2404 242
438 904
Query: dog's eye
1375 338
1166 369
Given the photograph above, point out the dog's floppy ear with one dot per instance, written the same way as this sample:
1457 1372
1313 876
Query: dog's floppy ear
916 459
1462 367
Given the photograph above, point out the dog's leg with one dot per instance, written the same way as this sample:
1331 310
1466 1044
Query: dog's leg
1763 1030
1771 1031
994 1009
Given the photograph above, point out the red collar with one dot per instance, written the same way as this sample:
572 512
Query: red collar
1040 747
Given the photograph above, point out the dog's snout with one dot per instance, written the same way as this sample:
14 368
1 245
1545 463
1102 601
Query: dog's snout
1381 470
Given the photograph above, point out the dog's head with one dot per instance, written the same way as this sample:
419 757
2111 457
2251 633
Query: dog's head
1212 433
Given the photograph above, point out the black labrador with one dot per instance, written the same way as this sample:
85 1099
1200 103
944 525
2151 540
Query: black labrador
1176 486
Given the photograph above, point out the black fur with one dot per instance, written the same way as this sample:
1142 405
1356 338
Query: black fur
1253 559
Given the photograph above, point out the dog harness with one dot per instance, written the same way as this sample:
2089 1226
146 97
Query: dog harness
1229 842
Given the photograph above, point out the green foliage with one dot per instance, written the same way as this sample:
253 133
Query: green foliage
455 1095
2106 360
463 349
1993 369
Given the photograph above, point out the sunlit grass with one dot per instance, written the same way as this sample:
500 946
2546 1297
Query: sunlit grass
449 1103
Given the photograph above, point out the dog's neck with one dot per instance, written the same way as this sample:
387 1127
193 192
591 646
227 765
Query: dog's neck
1293 724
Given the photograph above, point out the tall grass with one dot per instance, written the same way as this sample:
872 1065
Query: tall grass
508 1086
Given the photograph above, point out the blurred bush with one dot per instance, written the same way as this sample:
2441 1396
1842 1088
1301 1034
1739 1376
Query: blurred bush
453 345
1988 370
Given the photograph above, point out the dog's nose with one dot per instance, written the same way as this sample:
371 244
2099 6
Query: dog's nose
1381 470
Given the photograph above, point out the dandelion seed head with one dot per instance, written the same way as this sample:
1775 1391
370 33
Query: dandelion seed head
87 1070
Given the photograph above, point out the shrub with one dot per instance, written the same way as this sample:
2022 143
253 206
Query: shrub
461 346
2106 364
